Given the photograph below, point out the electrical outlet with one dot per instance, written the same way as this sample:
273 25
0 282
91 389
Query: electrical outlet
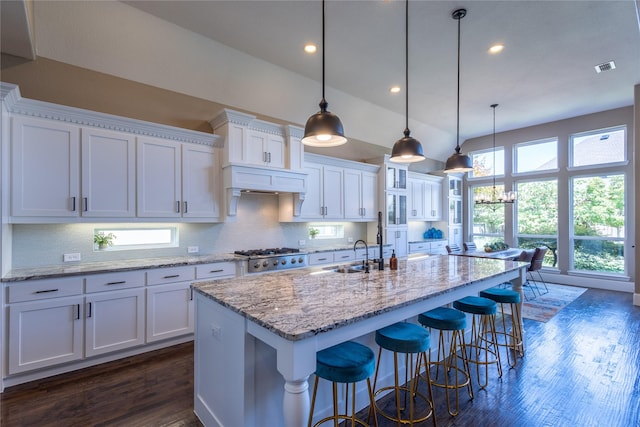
301 242
71 257
193 249
350 240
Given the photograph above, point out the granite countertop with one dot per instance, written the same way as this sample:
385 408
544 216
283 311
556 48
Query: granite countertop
49 272
339 248
301 303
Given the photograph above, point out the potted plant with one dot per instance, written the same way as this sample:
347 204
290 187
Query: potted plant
103 240
313 232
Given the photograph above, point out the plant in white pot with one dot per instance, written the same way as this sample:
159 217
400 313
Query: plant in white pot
103 240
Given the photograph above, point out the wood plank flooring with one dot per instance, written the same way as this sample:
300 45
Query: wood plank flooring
582 368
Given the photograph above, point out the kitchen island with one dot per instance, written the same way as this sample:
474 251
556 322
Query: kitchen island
250 329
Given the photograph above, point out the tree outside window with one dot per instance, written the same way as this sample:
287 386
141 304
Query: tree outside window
537 217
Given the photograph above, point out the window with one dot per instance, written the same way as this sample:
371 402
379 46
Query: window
487 220
599 147
483 164
598 228
326 231
140 238
536 156
537 217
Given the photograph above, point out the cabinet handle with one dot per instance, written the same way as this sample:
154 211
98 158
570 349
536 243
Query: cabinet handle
116 283
73 204
269 157
191 294
178 206
217 271
85 203
186 207
264 156
364 211
344 256
171 276
322 259
89 313
78 312
46 291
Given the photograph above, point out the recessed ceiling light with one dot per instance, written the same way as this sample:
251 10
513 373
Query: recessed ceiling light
605 66
496 48
394 89
310 48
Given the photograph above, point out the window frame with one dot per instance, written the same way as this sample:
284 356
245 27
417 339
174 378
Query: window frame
471 154
514 157
620 163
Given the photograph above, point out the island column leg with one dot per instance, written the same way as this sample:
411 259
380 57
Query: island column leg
517 284
296 402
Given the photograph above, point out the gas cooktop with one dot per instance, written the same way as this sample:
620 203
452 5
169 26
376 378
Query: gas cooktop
268 252
261 260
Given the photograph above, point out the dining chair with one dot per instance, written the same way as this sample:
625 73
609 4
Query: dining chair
469 246
453 249
536 265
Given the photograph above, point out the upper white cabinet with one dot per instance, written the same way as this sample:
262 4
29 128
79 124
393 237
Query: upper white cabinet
425 197
249 141
360 195
324 197
396 177
177 180
108 174
45 168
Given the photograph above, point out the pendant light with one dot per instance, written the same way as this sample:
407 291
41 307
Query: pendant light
407 149
505 197
323 129
458 162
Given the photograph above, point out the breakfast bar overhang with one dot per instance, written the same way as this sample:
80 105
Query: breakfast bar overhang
242 323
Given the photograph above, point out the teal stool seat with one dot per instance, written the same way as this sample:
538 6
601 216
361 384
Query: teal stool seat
408 339
450 367
444 319
403 338
476 305
502 296
348 362
510 336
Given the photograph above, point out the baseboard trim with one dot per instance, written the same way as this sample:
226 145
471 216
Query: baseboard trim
636 299
589 282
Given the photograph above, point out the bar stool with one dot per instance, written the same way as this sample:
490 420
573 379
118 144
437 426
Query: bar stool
511 340
346 363
406 338
483 334
447 360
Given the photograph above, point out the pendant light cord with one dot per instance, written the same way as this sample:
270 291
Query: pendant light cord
458 101
323 102
406 66
494 149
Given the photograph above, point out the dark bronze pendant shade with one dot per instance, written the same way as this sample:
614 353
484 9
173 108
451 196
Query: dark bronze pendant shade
323 129
458 162
407 149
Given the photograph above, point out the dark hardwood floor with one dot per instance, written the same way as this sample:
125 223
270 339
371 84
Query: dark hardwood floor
582 368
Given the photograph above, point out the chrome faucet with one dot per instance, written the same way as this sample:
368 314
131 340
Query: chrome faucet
366 247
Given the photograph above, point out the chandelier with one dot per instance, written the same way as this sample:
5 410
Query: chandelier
505 197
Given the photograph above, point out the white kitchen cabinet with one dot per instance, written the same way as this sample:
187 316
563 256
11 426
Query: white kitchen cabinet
425 197
114 311
416 195
169 302
45 323
433 201
108 174
396 208
360 195
398 238
177 180
344 256
324 198
45 168
265 149
434 248
396 176
320 258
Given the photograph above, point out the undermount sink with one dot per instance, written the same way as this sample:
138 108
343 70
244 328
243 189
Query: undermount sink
355 268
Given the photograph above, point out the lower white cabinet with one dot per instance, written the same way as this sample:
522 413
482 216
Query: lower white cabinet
169 311
45 333
114 321
399 241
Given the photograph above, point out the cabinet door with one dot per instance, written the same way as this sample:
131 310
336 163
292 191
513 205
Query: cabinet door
433 204
417 190
200 183
159 178
396 209
44 333
312 205
352 194
256 153
169 311
114 321
45 168
396 177
275 149
108 174
369 196
333 195
398 238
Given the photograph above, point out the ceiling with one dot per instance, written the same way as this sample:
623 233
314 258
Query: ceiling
545 73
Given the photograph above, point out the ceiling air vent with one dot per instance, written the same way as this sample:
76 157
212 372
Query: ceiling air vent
605 66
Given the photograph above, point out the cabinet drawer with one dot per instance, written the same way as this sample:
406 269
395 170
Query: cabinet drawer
320 258
342 256
44 289
159 276
419 247
114 281
215 270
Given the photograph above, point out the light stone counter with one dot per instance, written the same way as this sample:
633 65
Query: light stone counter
49 272
240 322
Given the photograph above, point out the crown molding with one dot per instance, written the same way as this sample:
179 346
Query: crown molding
15 104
